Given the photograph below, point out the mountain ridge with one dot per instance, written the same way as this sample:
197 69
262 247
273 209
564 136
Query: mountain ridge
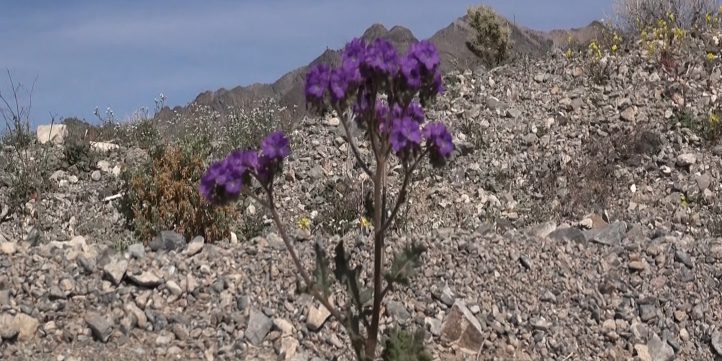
450 41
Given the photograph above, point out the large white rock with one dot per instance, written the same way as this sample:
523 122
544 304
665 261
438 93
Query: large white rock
55 133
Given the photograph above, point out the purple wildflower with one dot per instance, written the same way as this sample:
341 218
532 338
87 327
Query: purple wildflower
416 112
405 136
317 80
439 142
425 52
338 84
383 115
410 72
275 146
223 180
380 59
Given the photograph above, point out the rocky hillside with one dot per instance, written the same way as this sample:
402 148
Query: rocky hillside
288 89
575 221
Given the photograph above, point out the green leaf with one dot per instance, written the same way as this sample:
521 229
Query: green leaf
350 278
405 264
321 272
402 345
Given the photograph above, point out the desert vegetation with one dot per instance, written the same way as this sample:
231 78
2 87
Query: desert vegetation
559 207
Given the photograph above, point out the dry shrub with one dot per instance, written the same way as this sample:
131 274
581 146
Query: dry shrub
492 41
636 15
163 195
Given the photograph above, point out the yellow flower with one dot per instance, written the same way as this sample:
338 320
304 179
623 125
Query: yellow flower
365 223
711 56
679 33
614 48
708 19
304 223
569 54
683 200
714 119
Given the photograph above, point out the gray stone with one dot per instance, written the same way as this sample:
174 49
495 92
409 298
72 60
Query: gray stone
660 350
686 160
567 234
96 176
258 327
8 329
195 246
316 317
647 312
100 326
513 113
167 241
146 279
4 297
115 270
445 295
629 114
173 288
716 341
434 325
136 250
397 310
684 258
140 317
610 235
460 327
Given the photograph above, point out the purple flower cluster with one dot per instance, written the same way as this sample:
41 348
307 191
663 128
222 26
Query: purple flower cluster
367 66
367 70
225 179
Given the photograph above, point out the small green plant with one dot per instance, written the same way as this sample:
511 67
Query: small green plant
77 152
402 345
163 195
24 165
492 40
598 67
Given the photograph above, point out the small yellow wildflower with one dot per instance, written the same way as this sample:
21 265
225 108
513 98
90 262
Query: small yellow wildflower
683 201
714 119
594 49
711 56
679 33
708 19
614 48
304 223
365 223
569 53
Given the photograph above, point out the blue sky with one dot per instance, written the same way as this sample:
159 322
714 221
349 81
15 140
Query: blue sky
122 54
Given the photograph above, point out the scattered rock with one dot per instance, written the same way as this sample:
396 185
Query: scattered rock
115 270
660 350
686 160
716 340
167 241
146 279
100 326
316 317
258 327
54 133
195 246
8 248
461 328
